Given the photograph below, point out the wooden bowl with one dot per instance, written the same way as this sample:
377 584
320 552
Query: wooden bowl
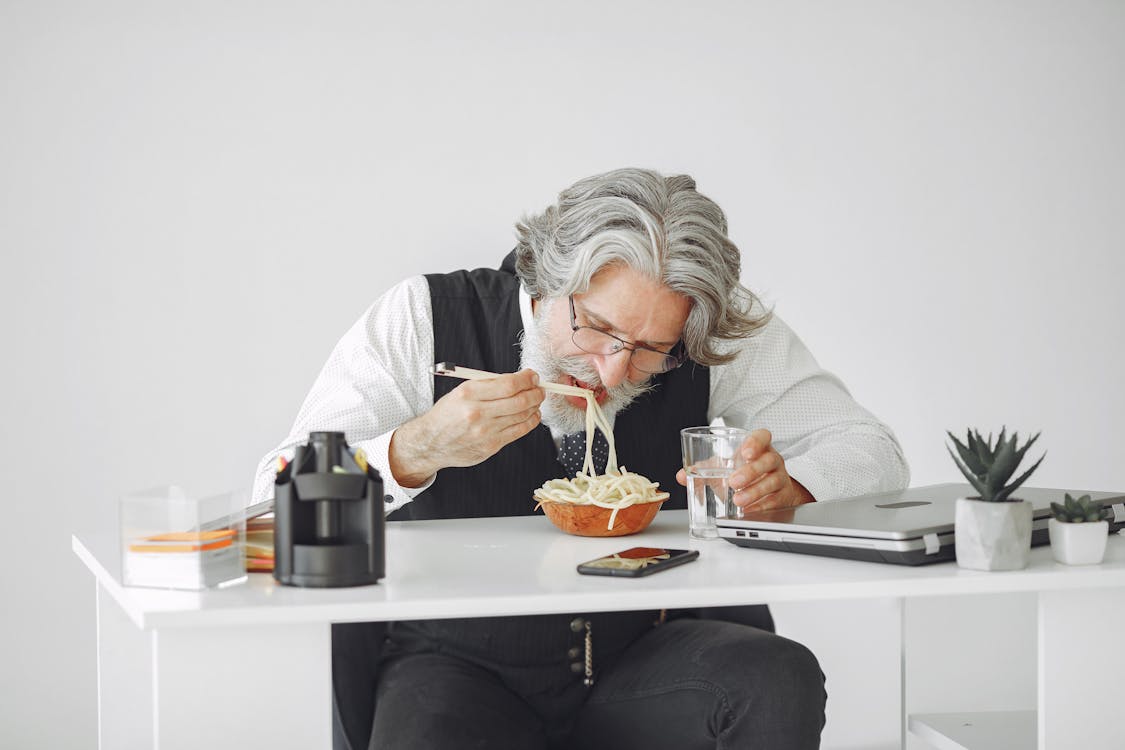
590 520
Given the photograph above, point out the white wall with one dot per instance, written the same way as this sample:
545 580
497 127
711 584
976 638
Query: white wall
196 199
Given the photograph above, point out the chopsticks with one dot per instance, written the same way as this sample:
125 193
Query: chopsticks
467 373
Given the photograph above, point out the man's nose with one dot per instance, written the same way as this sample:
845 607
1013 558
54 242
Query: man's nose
613 368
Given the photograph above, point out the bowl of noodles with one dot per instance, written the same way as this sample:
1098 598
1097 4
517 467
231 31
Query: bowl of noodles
605 505
615 503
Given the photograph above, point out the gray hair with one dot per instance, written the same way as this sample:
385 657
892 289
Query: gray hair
659 226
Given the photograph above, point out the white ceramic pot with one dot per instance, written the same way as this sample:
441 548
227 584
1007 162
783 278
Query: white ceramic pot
1078 543
992 536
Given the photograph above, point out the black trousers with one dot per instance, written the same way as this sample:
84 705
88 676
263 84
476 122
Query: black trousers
686 684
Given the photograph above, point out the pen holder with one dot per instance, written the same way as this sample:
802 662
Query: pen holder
329 529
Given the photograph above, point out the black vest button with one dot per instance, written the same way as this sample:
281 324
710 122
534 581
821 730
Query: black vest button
577 625
577 667
574 652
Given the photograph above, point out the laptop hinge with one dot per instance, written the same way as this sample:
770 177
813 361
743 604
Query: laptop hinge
932 543
1118 512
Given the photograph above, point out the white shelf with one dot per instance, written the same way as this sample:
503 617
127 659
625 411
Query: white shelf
980 730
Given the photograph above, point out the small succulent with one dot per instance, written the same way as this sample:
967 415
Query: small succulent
1082 510
988 468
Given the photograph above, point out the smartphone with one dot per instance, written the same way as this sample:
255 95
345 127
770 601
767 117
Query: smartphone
637 562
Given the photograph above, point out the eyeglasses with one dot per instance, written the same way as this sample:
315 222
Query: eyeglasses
641 357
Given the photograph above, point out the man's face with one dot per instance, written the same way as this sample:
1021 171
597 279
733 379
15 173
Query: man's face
619 301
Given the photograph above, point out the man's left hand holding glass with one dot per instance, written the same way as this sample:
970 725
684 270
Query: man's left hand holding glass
762 481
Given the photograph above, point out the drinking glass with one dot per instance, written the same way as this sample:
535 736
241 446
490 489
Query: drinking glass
711 454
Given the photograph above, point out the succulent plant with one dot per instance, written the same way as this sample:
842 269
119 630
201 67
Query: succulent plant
1082 510
988 468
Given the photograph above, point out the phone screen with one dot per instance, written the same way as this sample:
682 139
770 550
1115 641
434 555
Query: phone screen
637 561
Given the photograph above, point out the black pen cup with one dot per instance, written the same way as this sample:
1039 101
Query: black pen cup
329 529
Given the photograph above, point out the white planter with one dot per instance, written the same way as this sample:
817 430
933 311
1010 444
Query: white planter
1078 543
992 536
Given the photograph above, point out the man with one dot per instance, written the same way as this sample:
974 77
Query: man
628 285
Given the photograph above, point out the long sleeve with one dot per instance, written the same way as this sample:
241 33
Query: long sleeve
831 444
375 379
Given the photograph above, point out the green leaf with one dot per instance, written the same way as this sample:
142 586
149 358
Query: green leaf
1094 511
1027 445
983 449
1006 462
974 480
1023 477
968 454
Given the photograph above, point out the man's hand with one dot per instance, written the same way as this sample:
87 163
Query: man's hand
762 483
467 425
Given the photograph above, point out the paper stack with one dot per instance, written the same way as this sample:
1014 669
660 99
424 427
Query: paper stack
183 560
259 544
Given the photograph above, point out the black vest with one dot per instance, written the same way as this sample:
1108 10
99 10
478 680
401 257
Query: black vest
477 324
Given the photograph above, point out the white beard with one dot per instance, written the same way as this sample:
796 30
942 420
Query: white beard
536 354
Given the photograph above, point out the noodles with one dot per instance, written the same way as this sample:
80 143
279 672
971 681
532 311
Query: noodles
616 489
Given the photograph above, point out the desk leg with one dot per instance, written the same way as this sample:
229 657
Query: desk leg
1080 667
214 687
124 686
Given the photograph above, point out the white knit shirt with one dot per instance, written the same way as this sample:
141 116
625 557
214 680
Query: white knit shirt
378 378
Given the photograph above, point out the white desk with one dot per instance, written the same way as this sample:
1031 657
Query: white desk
251 663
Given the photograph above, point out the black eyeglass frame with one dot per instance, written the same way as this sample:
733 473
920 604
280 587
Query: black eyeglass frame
677 355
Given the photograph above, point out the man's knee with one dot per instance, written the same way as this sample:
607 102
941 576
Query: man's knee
695 683
761 667
795 673
774 687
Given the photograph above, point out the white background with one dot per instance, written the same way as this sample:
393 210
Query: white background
197 199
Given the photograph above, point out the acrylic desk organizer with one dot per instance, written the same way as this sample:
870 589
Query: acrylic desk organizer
328 517
173 539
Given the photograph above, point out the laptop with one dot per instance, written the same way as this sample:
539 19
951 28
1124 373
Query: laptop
905 527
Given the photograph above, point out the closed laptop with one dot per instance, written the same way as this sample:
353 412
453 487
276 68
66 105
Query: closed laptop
906 527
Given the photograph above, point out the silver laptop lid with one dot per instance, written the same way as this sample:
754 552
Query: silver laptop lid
903 514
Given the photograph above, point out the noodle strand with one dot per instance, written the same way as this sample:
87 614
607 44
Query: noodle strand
617 488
